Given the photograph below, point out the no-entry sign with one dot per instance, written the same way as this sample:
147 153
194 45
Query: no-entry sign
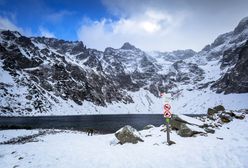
167 106
167 113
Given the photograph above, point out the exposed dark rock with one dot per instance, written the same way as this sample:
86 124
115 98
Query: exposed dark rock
226 117
243 25
185 131
195 73
29 97
128 46
208 130
212 111
182 127
239 115
219 108
128 134
235 80
219 138
176 122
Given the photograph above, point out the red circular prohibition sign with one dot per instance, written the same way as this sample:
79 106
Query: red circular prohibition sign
167 107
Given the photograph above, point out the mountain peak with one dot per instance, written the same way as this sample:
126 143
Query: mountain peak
243 24
128 46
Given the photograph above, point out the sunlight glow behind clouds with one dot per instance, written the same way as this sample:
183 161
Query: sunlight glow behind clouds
145 31
162 25
149 26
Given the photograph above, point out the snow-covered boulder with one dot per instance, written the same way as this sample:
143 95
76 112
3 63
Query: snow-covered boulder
211 111
186 126
128 134
223 115
178 120
215 110
239 115
187 130
226 117
219 108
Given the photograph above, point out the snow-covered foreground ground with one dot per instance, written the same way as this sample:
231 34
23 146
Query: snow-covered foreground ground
76 149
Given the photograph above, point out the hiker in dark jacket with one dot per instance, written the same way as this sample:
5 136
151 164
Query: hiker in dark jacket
90 132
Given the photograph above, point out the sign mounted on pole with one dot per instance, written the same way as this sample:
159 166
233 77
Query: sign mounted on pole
167 115
167 107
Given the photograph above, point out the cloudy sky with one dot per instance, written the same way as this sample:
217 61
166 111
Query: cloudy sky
163 25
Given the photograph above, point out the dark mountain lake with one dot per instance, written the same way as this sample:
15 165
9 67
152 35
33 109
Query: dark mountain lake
100 123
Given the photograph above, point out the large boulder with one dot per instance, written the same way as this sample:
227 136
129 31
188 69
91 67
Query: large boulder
186 126
226 117
215 112
187 130
211 111
128 134
239 115
178 120
219 108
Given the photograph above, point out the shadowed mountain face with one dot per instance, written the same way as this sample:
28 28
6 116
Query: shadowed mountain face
236 78
38 72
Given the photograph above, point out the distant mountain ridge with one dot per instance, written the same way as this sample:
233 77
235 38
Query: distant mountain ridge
40 74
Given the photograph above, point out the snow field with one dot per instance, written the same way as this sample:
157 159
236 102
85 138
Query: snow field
75 149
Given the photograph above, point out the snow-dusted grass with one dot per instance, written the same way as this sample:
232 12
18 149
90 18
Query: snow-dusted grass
6 135
75 149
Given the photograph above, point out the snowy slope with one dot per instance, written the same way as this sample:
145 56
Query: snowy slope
76 149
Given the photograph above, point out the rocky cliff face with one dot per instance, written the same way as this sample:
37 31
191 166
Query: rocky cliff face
236 78
37 73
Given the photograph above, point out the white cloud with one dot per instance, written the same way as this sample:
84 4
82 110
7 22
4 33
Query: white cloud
6 24
46 33
149 31
56 17
162 25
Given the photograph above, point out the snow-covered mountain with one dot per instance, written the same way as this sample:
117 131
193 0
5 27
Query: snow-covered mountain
174 55
45 76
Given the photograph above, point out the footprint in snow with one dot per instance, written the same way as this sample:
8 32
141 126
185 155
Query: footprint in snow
235 139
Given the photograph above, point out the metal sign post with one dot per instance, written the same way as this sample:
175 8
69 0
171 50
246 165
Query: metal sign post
167 115
168 129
